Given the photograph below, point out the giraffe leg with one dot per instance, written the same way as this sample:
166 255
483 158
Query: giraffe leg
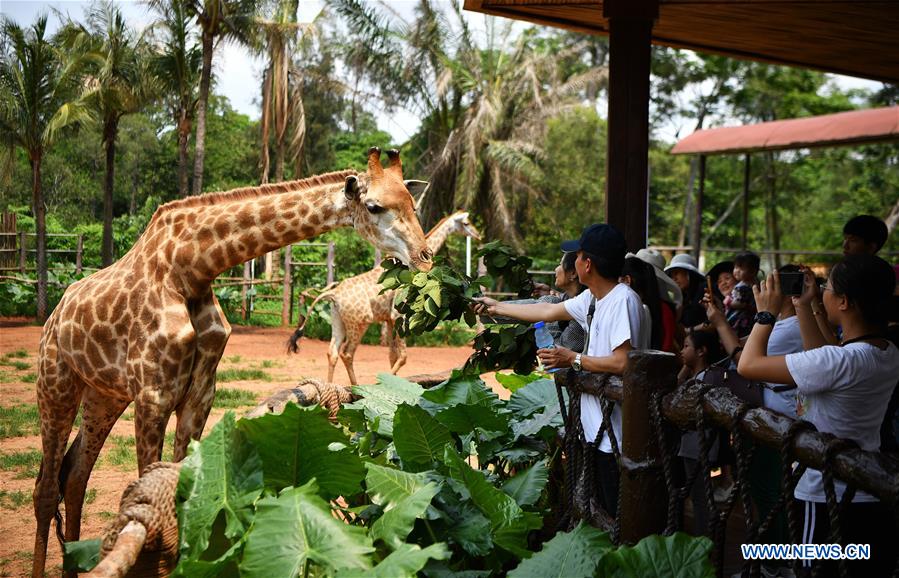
338 336
152 409
99 414
58 396
397 351
348 350
213 331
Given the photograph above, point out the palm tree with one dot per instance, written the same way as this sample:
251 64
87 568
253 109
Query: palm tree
176 66
37 87
218 19
118 85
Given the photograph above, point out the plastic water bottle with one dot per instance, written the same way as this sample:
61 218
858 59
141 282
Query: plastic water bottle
544 341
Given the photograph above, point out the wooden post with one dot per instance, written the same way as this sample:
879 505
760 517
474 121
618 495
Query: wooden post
644 497
244 307
78 254
287 293
697 210
746 202
330 262
627 190
23 252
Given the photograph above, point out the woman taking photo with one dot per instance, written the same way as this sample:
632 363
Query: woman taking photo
841 389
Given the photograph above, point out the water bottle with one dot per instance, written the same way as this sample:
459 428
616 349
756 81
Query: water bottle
544 341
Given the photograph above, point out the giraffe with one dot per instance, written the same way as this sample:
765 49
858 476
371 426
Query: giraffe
149 329
357 302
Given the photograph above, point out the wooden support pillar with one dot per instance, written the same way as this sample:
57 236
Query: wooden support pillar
287 291
746 168
697 210
644 498
627 161
330 262
79 252
23 253
244 304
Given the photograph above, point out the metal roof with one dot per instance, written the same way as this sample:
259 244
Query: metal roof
843 128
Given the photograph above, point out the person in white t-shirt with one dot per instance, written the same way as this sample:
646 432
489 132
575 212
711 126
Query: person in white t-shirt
842 389
615 330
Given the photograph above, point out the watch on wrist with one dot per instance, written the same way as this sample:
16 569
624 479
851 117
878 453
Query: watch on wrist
576 364
765 318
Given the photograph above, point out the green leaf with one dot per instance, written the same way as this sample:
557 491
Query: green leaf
403 496
461 388
676 556
574 554
296 528
472 532
463 418
548 420
399 517
382 399
418 437
294 450
510 524
535 396
526 487
222 476
513 382
81 556
405 562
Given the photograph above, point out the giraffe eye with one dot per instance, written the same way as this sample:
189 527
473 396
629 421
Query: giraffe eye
374 209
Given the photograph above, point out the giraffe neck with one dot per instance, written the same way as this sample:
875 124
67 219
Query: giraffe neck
219 236
437 236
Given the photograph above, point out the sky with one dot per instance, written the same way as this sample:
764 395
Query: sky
238 73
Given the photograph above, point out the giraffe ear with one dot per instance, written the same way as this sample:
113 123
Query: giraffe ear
351 189
417 189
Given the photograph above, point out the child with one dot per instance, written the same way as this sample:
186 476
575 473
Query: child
701 349
739 306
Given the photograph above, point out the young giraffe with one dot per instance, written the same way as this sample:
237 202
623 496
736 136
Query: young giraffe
357 302
149 329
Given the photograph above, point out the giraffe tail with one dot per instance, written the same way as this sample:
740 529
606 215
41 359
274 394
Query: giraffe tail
67 463
293 344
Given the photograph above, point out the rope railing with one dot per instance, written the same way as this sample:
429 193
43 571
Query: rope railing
651 495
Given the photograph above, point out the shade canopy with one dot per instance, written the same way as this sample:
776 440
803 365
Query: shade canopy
844 128
854 37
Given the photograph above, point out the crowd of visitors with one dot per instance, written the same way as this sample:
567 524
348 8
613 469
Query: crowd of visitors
825 353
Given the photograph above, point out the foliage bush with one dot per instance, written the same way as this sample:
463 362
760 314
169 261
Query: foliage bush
451 479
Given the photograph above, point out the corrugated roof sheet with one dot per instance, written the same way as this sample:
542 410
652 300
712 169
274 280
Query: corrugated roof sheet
843 128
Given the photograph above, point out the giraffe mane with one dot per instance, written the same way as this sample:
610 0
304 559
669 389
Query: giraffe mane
242 193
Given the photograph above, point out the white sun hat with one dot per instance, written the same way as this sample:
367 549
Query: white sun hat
668 289
683 261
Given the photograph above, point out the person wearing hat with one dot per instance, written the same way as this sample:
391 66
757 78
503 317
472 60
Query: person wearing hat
670 298
668 289
684 272
612 315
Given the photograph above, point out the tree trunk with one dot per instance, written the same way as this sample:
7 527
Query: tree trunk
279 160
110 129
40 225
183 158
202 101
265 125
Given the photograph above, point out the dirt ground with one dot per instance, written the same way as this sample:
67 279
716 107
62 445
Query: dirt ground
249 348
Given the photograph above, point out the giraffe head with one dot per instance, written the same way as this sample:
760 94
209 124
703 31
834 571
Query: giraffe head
463 225
384 211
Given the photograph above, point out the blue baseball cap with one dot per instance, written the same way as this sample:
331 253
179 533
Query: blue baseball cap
600 239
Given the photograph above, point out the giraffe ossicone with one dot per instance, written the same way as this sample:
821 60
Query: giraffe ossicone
149 330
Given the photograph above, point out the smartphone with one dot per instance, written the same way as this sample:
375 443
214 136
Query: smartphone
792 283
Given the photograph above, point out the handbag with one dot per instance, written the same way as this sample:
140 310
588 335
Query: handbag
722 375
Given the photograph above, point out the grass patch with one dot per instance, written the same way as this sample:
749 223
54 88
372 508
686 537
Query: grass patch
7 377
18 353
107 515
20 365
29 378
231 398
240 374
15 499
233 359
90 496
123 453
26 463
127 416
19 420
168 448
268 364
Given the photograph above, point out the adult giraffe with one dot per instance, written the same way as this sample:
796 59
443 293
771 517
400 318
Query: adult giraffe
357 302
149 329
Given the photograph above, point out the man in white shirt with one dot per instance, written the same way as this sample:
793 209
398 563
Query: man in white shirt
615 330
